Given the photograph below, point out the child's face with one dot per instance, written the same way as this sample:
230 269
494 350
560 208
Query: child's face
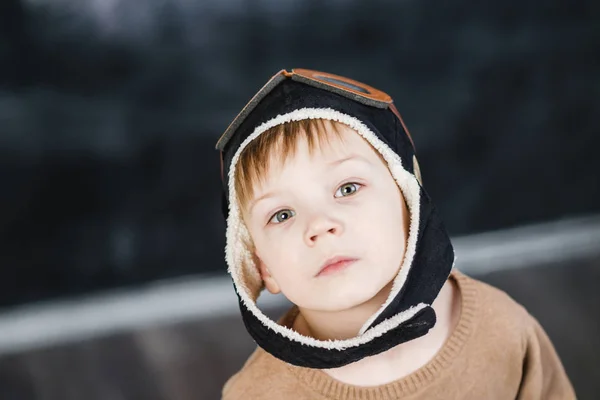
341 200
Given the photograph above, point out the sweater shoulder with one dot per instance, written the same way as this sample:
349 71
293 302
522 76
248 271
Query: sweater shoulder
495 302
501 319
258 378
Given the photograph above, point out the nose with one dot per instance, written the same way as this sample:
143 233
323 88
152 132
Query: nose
321 226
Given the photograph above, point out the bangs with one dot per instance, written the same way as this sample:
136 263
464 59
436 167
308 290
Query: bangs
277 144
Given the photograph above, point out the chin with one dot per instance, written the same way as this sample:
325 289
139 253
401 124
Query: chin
346 299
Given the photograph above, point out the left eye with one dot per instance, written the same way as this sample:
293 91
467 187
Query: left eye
347 189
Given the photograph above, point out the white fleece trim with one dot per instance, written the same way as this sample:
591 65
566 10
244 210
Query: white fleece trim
237 255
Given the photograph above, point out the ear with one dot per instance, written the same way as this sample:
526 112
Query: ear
266 276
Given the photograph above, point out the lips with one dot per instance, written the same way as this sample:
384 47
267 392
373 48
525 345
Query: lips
335 264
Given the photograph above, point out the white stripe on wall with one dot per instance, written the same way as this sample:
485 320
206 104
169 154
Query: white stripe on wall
197 298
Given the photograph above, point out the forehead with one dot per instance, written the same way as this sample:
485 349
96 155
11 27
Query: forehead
335 141
326 153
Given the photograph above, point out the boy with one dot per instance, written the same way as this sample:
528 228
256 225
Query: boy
324 203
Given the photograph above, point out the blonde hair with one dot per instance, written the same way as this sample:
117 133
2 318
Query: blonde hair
255 159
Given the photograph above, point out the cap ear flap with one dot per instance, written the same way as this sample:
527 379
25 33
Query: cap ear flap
417 170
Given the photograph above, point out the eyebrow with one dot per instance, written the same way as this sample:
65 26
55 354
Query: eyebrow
258 199
349 158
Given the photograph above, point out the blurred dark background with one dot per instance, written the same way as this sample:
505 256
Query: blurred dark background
110 110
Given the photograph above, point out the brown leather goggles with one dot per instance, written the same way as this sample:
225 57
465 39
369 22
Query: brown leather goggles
346 87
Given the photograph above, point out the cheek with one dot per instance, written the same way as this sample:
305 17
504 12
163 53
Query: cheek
278 254
384 211
383 227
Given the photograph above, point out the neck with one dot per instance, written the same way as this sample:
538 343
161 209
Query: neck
339 325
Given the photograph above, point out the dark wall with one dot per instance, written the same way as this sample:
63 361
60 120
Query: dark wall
109 113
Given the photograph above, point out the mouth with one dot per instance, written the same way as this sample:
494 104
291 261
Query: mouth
335 264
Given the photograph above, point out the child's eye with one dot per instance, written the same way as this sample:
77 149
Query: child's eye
347 189
281 216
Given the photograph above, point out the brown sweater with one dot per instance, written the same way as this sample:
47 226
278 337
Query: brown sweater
497 351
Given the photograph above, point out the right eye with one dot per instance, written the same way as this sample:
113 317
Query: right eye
281 216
